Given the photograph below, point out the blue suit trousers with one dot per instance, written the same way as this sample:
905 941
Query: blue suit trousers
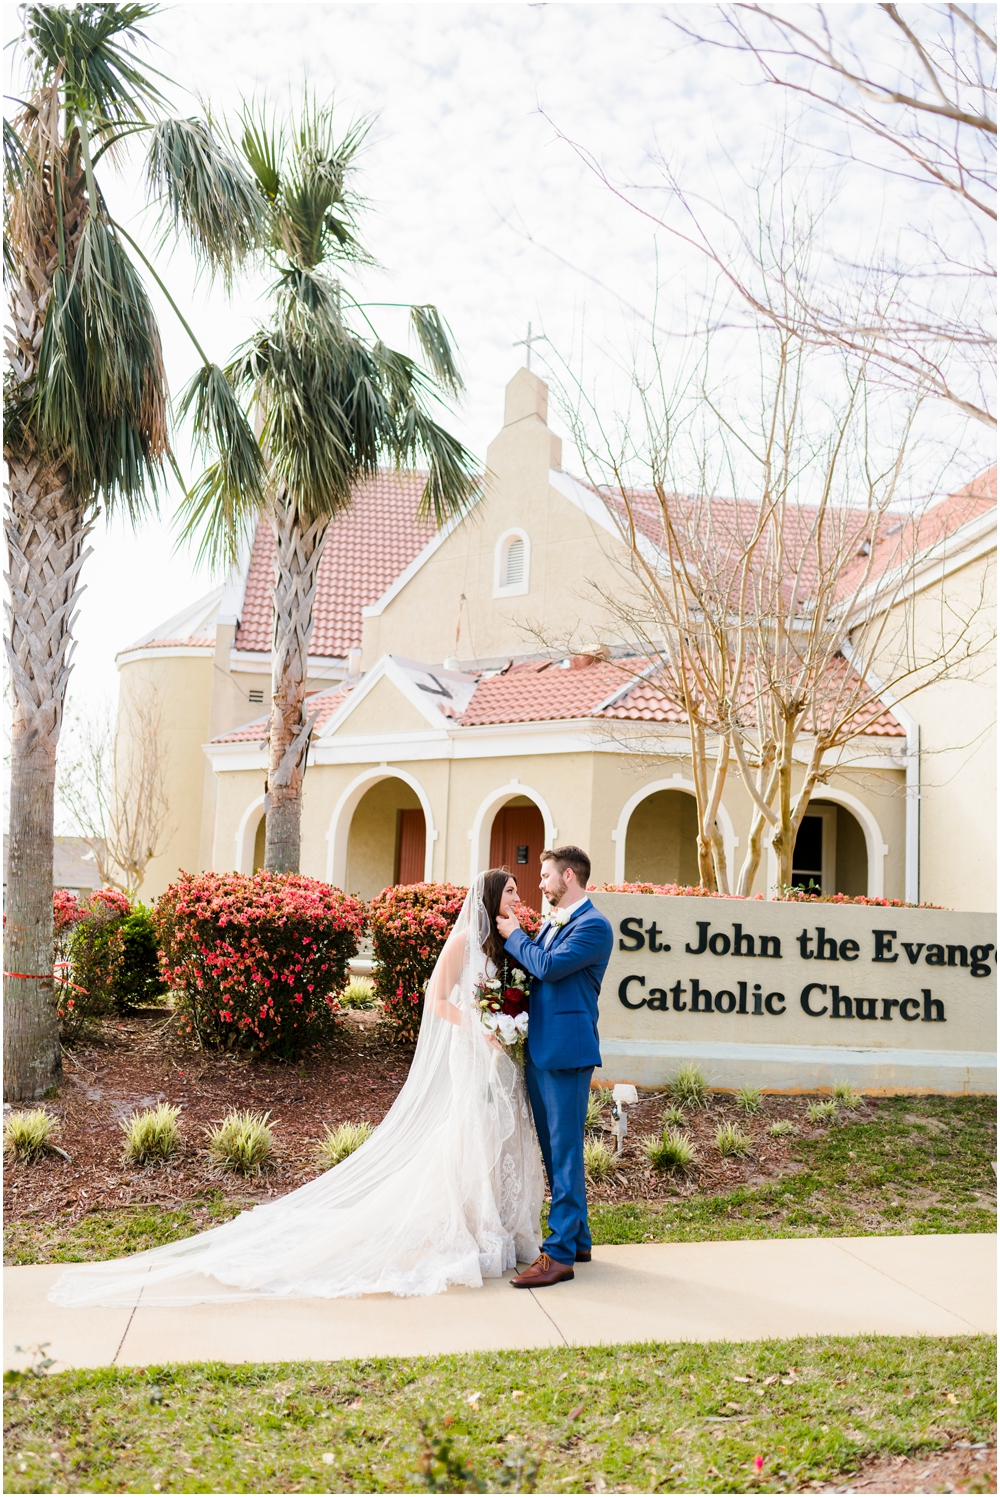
559 1108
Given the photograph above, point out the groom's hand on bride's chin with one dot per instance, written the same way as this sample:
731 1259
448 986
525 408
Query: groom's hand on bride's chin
507 925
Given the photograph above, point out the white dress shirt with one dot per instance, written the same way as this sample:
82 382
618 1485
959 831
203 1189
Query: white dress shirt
550 929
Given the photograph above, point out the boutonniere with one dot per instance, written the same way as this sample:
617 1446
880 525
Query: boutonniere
559 918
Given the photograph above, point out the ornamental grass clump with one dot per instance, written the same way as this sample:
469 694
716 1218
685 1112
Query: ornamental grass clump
781 1129
152 1135
338 1143
822 1112
845 1096
596 1103
598 1159
670 1150
28 1135
732 1142
359 993
243 1142
256 960
749 1099
674 1117
689 1087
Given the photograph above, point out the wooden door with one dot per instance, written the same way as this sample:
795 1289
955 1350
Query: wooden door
516 842
411 843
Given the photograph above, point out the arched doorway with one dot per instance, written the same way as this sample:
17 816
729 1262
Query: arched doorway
661 841
517 841
259 844
831 855
387 839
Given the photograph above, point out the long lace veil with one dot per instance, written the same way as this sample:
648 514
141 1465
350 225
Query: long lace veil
445 1191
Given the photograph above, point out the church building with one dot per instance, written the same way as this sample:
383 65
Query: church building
460 727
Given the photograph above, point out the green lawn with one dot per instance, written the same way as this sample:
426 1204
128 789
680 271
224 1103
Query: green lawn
917 1165
631 1418
110 1234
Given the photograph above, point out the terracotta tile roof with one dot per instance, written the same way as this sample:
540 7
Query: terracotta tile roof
365 550
906 538
546 691
256 732
191 641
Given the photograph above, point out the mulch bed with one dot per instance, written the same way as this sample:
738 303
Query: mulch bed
142 1060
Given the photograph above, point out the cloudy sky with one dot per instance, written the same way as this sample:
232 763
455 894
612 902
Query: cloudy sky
487 120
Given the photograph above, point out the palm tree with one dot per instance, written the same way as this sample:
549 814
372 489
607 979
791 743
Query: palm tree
86 416
331 402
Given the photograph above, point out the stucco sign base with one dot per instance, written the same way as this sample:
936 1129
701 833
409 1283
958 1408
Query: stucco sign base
697 1291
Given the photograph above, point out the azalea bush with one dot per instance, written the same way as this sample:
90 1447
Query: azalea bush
691 890
793 895
256 960
409 924
111 953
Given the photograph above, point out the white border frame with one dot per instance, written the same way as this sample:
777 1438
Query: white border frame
338 835
876 849
482 825
730 841
517 589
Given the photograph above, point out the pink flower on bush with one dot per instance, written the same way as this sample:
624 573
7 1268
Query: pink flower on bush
409 924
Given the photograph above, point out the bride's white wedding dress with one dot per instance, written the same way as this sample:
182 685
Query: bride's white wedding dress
446 1191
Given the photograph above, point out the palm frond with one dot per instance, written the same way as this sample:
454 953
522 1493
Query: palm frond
453 479
207 193
17 165
316 209
214 518
82 46
433 336
101 398
261 143
223 504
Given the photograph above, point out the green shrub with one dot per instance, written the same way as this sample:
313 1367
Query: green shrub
781 1128
242 1142
97 956
748 1099
359 993
338 1143
151 1135
28 1135
256 960
139 981
822 1112
670 1150
730 1140
598 1159
689 1087
674 1117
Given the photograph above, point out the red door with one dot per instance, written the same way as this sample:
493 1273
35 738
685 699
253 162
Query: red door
516 842
411 842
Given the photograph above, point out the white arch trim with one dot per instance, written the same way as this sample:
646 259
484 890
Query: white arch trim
482 824
730 841
874 845
246 835
339 832
502 589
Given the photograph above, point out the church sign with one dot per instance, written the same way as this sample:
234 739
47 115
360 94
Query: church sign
793 997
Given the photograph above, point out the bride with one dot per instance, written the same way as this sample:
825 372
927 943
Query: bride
447 1190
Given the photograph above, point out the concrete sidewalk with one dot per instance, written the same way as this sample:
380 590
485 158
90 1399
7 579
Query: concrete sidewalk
696 1291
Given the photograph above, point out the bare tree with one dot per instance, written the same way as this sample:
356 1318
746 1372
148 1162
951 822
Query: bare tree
916 94
114 790
772 623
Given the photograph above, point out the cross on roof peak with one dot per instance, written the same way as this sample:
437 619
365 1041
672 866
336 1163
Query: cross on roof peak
526 343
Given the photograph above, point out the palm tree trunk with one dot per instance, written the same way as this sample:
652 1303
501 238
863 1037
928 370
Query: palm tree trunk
46 531
298 550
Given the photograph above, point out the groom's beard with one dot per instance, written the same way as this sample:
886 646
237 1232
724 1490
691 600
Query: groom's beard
560 891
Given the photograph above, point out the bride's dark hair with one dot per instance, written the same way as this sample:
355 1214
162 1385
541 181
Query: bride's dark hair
494 883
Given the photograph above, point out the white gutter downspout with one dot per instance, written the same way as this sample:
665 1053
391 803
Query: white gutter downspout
906 720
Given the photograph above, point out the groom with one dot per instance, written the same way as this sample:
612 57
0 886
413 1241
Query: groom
566 963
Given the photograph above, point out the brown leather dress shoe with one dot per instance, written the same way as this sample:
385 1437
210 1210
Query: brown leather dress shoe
543 1271
583 1255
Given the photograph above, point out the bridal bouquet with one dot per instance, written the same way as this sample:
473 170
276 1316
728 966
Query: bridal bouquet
503 1010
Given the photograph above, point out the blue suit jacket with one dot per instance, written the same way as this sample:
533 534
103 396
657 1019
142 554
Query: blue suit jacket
565 986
